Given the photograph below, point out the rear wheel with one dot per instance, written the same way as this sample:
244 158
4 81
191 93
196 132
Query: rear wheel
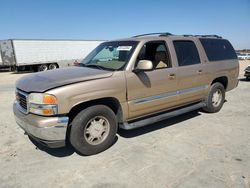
20 68
93 130
42 67
52 66
215 98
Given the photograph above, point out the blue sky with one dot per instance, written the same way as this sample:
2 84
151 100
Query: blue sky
111 19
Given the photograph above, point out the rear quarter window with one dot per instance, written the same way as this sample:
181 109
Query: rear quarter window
218 49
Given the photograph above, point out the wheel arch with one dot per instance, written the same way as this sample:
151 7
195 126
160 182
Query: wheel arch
222 79
112 102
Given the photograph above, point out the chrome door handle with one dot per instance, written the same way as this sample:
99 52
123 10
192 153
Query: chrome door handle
199 71
171 76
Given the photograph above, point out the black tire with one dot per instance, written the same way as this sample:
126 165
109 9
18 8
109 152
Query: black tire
211 106
53 66
80 125
42 67
20 68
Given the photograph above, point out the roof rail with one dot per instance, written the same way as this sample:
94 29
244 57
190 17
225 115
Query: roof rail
215 36
170 34
148 34
188 35
204 36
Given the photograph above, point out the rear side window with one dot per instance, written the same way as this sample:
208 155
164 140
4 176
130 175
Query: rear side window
187 53
218 49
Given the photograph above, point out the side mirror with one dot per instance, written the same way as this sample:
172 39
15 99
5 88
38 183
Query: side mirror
144 65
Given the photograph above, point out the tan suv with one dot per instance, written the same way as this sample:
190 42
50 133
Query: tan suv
128 84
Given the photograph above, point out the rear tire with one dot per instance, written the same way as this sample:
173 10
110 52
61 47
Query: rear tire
42 67
52 66
93 130
215 99
20 68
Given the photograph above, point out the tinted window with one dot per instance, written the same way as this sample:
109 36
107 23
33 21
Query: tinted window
186 52
218 49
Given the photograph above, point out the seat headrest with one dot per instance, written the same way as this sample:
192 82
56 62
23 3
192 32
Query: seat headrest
160 56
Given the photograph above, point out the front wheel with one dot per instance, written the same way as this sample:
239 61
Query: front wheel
93 130
215 99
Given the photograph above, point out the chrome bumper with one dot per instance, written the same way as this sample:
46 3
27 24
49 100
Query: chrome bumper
50 131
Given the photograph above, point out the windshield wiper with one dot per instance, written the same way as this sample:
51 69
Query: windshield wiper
93 66
96 66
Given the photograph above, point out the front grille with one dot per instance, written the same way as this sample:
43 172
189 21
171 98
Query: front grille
22 100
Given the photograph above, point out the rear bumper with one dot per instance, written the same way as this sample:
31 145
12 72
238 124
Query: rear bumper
49 131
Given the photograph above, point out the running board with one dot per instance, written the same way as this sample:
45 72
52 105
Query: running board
167 115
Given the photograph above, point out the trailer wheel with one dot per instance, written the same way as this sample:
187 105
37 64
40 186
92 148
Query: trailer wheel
12 68
42 67
52 66
20 68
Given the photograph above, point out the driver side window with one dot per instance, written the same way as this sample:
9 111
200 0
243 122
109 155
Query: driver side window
156 52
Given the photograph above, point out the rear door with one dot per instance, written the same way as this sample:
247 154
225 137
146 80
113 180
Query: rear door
192 80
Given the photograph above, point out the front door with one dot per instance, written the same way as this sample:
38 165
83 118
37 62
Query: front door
156 90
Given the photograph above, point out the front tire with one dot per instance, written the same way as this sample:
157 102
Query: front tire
215 99
93 130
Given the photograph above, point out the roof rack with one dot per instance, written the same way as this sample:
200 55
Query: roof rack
170 34
188 35
215 36
203 36
149 34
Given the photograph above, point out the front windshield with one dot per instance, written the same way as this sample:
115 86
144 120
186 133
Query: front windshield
110 55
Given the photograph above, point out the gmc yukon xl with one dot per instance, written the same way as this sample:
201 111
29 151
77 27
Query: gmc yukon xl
125 84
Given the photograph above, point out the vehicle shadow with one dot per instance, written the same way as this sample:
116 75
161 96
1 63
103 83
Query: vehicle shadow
159 125
56 152
244 80
22 72
60 152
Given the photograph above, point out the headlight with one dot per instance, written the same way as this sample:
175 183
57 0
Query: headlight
42 104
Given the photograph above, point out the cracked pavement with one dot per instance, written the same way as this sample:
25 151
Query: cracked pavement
193 150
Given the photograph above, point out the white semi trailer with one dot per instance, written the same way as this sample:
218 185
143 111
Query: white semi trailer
42 55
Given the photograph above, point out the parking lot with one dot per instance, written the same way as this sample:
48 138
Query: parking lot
193 150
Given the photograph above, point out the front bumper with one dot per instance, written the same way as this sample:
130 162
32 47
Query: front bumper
49 131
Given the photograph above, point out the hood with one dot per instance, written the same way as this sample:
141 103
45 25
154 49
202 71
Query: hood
42 81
